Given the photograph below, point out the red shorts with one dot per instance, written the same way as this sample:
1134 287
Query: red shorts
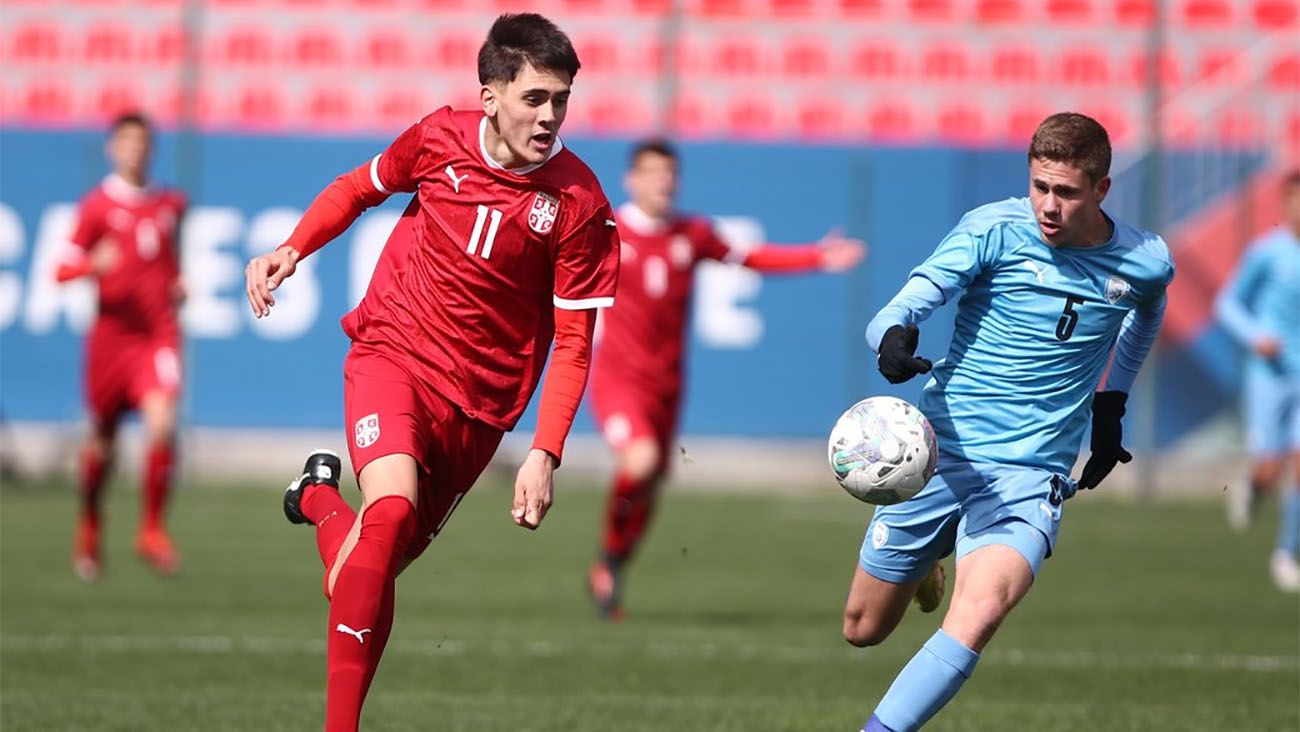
121 370
389 412
625 413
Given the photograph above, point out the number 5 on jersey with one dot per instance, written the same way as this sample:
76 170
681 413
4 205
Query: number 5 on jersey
1069 319
477 234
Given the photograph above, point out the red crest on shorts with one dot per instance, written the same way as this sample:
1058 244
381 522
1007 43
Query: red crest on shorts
541 217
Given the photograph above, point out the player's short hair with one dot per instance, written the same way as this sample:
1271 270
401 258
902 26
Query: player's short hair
652 146
524 37
126 119
1291 181
1074 139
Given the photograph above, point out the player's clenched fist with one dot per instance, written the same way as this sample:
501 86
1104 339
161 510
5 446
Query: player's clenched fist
534 488
898 361
264 274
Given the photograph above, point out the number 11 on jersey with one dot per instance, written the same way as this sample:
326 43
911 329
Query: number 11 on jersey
477 234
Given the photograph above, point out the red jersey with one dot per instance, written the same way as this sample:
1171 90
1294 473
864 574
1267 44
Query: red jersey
138 296
463 296
642 340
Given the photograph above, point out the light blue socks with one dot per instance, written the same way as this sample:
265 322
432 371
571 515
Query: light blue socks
1288 533
925 685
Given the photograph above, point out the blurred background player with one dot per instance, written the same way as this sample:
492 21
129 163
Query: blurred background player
508 241
1048 285
1260 307
126 239
636 383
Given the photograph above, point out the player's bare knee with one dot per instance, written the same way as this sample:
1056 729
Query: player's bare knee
863 629
974 621
641 461
159 417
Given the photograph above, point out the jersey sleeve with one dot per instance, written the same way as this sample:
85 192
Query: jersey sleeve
408 159
1233 306
958 260
586 262
90 226
708 245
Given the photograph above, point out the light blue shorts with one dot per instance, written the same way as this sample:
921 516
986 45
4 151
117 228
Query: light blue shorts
1272 407
966 506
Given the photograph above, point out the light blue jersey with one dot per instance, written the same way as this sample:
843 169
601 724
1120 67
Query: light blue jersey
1034 330
1263 299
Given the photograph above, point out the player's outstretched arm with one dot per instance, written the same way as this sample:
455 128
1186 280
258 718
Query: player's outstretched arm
329 215
1232 310
101 259
833 253
566 379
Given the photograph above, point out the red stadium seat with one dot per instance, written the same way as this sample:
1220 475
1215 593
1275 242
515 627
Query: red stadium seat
1284 74
317 47
962 124
751 116
1116 120
792 8
244 46
584 7
931 11
47 101
259 107
331 108
818 119
717 8
166 46
738 56
807 57
947 61
619 114
894 121
1240 128
399 108
1277 14
114 98
202 110
652 7
691 116
442 5
1168 68
999 11
1139 13
1070 12
109 43
862 9
599 54
38 42
1022 121
1222 66
457 50
1015 65
1084 67
877 60
388 48
1207 13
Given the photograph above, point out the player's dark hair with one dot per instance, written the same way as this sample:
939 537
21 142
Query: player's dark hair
1074 139
653 146
524 37
1291 180
127 119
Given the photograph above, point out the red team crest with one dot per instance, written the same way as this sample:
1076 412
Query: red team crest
541 217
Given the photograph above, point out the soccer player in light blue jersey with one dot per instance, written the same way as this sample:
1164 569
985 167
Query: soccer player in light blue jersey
1260 307
1048 288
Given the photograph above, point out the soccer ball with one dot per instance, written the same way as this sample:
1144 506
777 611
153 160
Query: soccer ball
883 450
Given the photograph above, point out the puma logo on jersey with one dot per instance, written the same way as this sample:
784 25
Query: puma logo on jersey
358 634
455 182
1038 271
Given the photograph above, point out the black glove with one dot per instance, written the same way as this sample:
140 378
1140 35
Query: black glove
897 360
1107 432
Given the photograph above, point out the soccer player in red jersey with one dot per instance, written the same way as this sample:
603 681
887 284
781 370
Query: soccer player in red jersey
126 240
636 380
507 244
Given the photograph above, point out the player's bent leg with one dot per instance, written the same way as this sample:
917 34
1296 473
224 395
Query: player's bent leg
1284 564
627 516
153 544
313 498
995 569
874 607
361 604
96 460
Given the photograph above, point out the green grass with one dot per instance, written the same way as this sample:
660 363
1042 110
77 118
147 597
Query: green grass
1152 617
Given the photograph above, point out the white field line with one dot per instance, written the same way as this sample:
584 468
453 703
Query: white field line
1041 659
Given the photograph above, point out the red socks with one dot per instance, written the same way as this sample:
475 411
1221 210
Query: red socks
361 610
628 514
333 518
93 470
157 485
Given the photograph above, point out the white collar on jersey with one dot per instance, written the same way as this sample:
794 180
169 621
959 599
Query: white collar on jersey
122 191
492 163
639 221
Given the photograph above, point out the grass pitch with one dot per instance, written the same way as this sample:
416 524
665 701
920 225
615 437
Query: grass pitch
1151 617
